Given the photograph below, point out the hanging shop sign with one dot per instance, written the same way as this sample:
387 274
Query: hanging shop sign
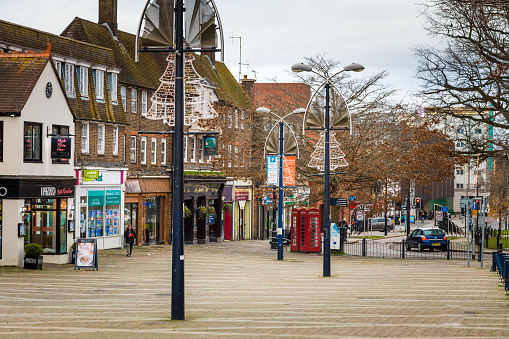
272 170
86 254
210 145
289 171
60 148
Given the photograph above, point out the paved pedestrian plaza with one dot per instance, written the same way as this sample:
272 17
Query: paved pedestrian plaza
240 289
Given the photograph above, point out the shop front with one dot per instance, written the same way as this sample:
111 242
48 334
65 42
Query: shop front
147 209
243 207
203 202
100 200
37 210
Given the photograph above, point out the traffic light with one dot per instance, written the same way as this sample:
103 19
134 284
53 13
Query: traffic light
418 203
477 204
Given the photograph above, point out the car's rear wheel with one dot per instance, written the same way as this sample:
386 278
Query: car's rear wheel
408 248
420 248
443 248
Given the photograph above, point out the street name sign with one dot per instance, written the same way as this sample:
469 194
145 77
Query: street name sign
338 202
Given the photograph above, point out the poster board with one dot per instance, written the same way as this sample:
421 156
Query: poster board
86 254
334 237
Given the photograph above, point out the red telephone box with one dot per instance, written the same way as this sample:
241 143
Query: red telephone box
313 230
296 229
303 216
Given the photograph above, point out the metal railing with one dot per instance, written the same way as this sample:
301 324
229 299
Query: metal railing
382 249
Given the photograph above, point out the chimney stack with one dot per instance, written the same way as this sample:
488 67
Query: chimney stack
248 86
108 15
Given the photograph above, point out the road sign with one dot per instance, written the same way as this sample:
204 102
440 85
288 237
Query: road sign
445 209
474 213
439 216
353 204
338 202
351 198
359 214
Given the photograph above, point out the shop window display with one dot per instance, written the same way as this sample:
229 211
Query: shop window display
102 217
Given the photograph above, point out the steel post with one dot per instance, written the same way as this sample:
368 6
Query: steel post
326 193
280 198
177 279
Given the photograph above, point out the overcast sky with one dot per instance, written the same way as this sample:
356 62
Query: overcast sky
276 33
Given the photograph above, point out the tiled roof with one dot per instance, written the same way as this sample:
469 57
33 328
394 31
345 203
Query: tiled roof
22 36
145 73
14 35
229 89
19 74
149 69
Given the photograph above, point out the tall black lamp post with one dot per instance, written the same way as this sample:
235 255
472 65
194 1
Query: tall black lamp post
328 81
281 152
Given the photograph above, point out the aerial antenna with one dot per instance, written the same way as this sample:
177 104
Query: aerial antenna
240 55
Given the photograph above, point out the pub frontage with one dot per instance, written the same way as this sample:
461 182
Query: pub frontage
203 207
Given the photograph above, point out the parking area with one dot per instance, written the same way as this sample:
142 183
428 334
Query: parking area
239 289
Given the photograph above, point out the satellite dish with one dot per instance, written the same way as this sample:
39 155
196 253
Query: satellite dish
156 27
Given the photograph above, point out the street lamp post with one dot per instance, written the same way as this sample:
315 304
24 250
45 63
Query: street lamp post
301 67
280 175
177 281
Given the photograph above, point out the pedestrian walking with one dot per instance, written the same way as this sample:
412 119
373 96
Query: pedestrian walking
130 236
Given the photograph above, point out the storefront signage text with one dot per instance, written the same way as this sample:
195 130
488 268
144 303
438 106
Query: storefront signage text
201 189
55 192
112 197
241 195
48 191
91 175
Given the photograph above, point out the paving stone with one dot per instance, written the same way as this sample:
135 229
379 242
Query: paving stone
239 289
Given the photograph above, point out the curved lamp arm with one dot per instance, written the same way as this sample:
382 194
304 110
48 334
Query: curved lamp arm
280 119
301 67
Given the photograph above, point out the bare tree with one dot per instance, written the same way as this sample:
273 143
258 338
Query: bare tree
469 73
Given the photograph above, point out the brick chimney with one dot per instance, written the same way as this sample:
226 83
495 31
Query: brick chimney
108 15
248 86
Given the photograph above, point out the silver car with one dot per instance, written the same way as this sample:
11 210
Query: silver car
378 224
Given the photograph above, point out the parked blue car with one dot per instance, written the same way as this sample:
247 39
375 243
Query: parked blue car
429 238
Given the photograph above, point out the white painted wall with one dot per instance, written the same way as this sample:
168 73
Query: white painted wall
39 109
47 111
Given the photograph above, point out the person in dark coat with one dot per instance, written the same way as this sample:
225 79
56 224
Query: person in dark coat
130 236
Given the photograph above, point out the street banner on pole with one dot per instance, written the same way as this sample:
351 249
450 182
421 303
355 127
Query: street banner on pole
272 170
289 171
